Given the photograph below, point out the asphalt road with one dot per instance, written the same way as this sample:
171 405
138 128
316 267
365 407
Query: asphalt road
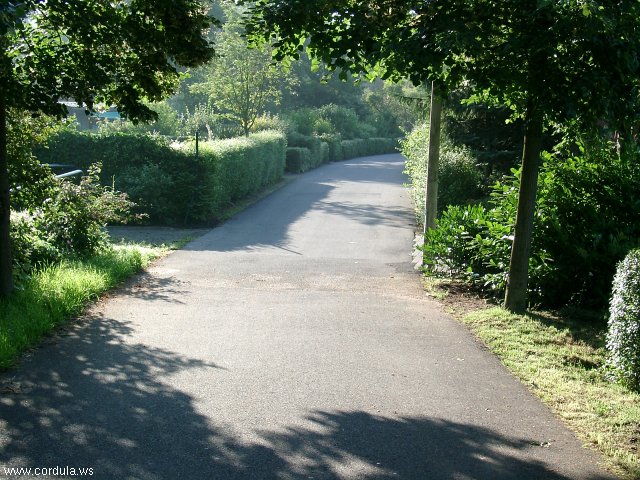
292 342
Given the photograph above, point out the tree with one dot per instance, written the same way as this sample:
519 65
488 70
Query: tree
241 82
118 52
547 60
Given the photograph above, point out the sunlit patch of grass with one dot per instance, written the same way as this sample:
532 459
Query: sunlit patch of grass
54 294
561 359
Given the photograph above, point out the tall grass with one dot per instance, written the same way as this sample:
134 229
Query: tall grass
54 294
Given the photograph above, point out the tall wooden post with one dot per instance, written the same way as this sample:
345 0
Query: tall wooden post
431 194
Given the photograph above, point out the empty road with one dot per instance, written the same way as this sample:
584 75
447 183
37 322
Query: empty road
292 342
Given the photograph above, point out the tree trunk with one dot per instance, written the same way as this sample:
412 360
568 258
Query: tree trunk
6 271
431 194
516 294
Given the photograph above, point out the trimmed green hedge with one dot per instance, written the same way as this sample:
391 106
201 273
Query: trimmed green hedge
623 334
306 152
333 142
167 181
236 168
298 159
371 146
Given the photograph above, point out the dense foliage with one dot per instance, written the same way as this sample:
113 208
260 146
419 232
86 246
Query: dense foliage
585 219
167 181
623 335
69 223
234 169
120 53
31 182
459 178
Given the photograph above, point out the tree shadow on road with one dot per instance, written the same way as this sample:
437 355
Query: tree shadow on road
400 448
95 400
268 223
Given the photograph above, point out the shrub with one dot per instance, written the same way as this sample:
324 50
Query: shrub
353 148
269 122
73 220
29 247
167 181
70 223
585 222
623 335
298 159
324 152
379 145
445 250
317 152
233 169
303 120
460 181
333 142
296 139
344 120
31 182
158 178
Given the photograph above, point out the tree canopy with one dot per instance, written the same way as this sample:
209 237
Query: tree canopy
113 52
241 82
548 60
116 52
576 58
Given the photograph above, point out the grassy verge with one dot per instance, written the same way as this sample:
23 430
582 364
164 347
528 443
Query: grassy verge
56 293
561 360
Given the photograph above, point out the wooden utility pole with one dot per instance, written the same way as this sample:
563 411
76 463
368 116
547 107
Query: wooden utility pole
431 194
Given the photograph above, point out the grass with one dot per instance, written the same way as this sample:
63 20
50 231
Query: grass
54 294
561 359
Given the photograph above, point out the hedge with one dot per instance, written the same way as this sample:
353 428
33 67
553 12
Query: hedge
166 180
371 146
306 152
298 159
623 334
236 168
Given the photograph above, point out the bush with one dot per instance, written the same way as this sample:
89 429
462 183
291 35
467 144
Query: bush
269 122
303 120
472 243
378 145
298 159
233 169
585 222
353 148
460 181
158 178
31 182
344 120
166 181
30 247
623 335
333 142
70 223
73 220
314 152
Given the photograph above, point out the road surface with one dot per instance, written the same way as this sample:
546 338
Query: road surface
292 342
